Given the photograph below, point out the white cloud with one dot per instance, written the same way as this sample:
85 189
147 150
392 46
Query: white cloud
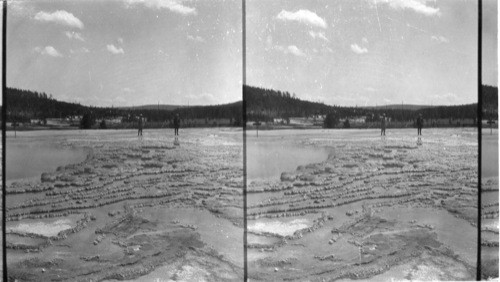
48 51
302 16
295 51
120 40
292 49
74 35
175 6
357 49
418 6
320 35
113 49
441 39
60 17
195 38
365 40
79 51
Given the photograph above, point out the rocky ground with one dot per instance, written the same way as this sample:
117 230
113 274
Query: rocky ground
144 209
489 204
107 218
489 228
374 207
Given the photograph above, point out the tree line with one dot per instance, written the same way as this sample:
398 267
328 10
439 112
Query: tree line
264 104
261 104
25 105
490 102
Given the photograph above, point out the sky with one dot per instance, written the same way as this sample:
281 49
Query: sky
365 52
489 54
127 52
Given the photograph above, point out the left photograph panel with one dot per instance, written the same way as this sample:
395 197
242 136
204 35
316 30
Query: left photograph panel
124 140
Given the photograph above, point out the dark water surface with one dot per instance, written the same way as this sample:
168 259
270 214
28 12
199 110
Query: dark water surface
273 153
489 154
31 159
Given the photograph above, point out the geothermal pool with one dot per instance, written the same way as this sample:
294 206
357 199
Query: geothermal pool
30 160
267 159
142 204
489 154
277 151
489 202
350 198
359 192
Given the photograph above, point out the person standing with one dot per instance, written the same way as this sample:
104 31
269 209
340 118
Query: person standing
382 125
177 124
140 125
420 123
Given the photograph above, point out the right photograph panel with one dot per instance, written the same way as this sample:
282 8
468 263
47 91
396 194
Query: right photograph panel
489 141
362 140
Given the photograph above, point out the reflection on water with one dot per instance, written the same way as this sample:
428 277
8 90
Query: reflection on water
277 151
42 228
30 160
279 227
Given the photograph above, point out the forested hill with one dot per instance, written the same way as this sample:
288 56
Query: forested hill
490 102
261 104
277 103
23 105
266 104
490 96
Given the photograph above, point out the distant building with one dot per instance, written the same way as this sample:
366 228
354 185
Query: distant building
487 121
279 121
301 121
114 120
56 121
361 119
73 118
318 118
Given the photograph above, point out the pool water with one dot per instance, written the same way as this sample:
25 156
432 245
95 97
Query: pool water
30 160
489 155
267 160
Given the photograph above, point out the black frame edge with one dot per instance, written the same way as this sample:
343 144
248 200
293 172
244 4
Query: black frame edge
4 117
479 128
244 119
